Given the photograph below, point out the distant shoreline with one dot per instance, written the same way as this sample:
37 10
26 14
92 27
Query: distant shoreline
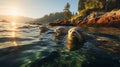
4 21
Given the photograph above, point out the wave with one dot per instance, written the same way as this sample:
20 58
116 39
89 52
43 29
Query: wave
6 39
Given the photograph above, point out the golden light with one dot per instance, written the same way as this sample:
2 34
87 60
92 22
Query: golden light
14 38
15 43
13 26
14 12
14 33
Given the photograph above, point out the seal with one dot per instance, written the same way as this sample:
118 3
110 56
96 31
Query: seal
75 39
60 33
43 29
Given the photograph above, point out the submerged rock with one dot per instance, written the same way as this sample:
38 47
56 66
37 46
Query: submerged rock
49 59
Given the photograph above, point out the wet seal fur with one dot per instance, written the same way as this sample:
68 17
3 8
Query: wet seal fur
43 29
60 33
75 39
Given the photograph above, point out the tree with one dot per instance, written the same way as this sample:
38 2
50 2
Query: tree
110 5
52 17
67 12
81 5
92 4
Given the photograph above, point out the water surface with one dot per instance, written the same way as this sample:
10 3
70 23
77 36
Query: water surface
22 45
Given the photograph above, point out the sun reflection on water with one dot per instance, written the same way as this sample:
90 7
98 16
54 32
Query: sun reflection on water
14 33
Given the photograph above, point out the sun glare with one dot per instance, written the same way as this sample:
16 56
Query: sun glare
14 33
13 23
14 38
14 12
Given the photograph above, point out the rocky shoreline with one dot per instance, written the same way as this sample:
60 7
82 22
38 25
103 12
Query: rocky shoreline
109 19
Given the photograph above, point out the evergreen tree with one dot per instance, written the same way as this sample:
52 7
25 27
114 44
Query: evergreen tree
81 5
67 12
110 5
52 17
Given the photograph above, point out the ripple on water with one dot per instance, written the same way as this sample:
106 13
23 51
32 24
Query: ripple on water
40 47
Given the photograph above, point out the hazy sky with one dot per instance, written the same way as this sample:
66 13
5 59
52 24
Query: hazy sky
35 8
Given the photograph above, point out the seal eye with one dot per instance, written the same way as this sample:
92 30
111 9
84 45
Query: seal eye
78 30
69 31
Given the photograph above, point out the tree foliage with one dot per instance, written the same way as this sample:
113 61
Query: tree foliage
106 5
52 17
81 5
67 12
93 4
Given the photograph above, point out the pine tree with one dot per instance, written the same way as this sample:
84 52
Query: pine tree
67 12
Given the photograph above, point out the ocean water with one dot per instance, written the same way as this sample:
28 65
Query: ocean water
21 45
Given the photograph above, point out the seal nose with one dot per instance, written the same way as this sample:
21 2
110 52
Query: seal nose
73 32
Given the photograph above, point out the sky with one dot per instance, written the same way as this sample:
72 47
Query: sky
35 8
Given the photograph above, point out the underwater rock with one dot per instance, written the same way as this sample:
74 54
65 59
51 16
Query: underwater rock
49 59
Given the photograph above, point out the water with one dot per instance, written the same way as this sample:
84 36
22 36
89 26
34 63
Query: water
14 34
21 45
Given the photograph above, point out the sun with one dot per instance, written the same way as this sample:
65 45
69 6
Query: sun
14 12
